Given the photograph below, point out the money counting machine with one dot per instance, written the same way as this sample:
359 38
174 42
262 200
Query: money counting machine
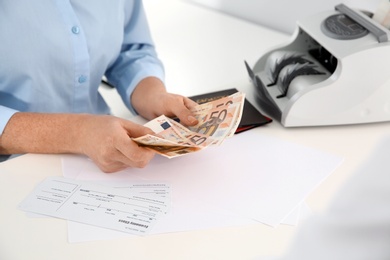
334 70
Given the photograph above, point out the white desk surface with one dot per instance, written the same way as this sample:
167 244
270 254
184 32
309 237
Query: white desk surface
203 51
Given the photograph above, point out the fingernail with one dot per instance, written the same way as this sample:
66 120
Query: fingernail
191 119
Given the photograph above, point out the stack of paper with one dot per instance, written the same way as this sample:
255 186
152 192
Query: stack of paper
251 178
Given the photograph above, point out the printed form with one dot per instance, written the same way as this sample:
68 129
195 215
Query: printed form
133 210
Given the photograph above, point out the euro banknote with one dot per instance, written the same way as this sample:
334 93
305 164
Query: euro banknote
217 120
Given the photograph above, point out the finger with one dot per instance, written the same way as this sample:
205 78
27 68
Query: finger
124 152
189 103
184 113
125 157
109 162
134 155
112 167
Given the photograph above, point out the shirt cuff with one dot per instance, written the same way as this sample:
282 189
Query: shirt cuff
5 115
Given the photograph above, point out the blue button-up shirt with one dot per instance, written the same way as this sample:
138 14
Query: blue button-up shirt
53 54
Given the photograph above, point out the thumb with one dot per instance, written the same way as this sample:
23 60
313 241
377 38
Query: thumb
185 115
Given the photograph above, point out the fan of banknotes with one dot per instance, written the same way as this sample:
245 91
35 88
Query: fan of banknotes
218 120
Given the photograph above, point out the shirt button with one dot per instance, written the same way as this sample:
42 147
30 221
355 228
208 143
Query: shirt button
75 29
82 79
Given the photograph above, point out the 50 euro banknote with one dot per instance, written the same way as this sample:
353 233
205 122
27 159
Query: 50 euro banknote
217 120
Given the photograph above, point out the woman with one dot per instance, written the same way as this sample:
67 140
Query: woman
53 56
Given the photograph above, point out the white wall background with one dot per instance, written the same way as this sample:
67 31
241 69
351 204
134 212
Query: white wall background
281 14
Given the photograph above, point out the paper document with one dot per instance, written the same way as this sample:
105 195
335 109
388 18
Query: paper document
134 209
251 176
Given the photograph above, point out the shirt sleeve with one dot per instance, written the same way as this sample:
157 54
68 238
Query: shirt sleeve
138 58
5 114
